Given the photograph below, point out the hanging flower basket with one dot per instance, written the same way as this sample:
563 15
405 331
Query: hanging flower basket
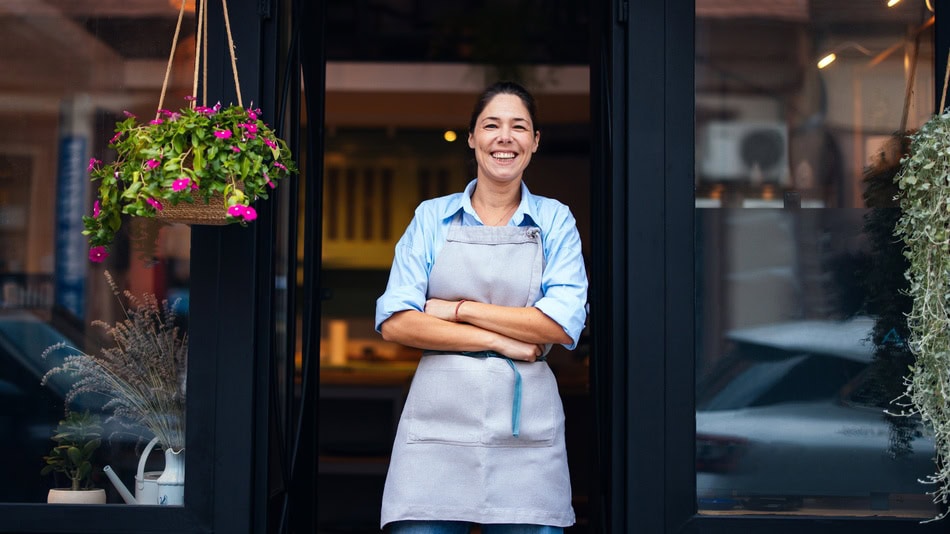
197 165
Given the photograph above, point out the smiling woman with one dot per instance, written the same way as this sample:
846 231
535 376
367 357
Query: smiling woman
485 282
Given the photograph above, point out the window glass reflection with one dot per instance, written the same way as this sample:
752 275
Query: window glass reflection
800 322
71 69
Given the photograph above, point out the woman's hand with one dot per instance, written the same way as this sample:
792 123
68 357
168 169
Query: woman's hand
443 309
518 350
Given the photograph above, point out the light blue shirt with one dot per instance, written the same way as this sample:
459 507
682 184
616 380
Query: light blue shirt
563 282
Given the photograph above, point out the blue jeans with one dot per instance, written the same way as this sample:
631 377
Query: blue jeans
461 527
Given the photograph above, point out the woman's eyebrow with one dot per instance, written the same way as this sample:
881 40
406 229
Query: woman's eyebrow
499 118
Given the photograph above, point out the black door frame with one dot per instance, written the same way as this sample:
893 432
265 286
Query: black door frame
642 264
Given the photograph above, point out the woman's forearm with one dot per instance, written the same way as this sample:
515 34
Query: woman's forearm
528 324
428 332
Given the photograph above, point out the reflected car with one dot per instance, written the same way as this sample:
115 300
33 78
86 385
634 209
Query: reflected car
778 420
30 411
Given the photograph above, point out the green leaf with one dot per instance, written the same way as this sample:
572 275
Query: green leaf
199 158
90 447
75 455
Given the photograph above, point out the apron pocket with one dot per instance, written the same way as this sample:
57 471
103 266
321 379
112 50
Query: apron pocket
446 406
539 403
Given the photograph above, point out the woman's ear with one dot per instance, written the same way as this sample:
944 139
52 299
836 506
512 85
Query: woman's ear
471 141
537 141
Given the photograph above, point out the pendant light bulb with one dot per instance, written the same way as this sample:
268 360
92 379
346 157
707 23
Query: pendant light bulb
827 60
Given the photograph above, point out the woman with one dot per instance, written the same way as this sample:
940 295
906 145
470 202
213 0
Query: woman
485 281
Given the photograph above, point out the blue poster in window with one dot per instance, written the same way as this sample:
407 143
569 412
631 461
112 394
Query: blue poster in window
71 249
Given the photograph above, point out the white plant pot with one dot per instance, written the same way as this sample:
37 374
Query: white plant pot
68 496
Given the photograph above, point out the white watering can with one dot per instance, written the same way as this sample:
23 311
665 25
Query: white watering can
146 482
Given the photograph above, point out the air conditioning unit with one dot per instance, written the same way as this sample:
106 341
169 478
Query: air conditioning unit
744 150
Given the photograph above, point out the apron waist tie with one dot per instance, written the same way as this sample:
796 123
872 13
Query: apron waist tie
516 398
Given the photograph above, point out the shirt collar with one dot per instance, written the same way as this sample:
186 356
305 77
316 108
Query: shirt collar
525 209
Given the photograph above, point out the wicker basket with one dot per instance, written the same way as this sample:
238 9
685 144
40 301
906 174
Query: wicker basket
215 212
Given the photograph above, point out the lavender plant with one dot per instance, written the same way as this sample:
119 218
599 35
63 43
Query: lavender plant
143 375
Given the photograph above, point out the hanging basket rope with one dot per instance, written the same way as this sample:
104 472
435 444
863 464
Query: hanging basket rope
214 212
201 54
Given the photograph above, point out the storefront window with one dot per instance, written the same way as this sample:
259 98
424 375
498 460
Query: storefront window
71 69
800 323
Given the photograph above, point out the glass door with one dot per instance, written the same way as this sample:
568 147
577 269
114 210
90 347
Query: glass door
401 82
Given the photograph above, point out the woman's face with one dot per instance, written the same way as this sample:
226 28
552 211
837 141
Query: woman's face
503 139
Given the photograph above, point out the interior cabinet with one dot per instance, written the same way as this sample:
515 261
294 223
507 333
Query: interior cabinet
359 409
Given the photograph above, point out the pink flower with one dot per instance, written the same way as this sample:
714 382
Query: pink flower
217 107
155 122
115 138
181 184
235 149
92 164
246 212
251 128
251 115
154 203
280 165
270 143
151 164
222 134
98 254
95 210
194 186
269 183
190 98
129 114
204 109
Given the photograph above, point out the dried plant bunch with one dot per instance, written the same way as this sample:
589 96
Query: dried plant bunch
143 374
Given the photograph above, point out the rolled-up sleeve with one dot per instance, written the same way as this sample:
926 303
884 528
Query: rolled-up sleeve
564 280
409 277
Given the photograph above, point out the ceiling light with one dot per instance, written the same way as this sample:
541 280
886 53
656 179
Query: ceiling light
831 56
827 60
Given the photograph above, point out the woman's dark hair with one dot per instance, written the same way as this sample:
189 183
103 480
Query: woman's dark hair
504 88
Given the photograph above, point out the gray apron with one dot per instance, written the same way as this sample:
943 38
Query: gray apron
467 447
